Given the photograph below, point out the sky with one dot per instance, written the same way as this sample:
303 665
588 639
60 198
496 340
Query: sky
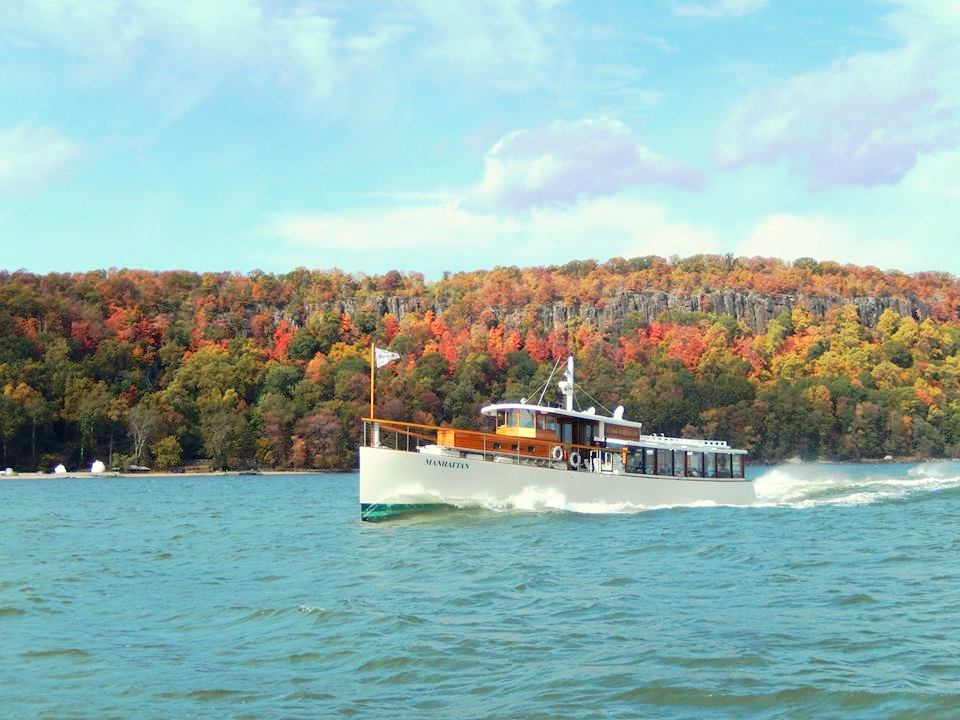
446 135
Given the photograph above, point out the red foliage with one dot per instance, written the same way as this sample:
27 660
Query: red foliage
282 337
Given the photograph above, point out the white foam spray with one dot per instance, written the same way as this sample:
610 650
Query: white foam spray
815 484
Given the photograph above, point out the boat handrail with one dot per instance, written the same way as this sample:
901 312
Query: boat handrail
644 441
680 441
400 426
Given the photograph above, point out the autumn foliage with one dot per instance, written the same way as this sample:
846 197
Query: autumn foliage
163 368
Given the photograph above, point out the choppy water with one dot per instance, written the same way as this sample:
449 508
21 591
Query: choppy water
265 597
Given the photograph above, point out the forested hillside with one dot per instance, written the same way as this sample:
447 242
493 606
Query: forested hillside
165 368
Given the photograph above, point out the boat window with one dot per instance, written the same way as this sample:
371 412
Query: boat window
738 466
526 419
694 464
546 422
664 462
531 448
711 465
679 463
650 461
723 465
515 446
501 418
497 446
586 434
635 460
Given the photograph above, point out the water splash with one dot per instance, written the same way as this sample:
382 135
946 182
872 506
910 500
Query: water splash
539 498
812 485
794 485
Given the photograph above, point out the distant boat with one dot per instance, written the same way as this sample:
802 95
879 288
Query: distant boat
97 467
137 469
585 457
60 470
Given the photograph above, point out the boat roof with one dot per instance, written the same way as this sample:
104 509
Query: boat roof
492 410
663 442
654 441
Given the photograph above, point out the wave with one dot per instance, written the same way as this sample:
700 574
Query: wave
793 484
812 485
539 498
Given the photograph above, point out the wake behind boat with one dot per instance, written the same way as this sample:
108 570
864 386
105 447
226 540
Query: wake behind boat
587 457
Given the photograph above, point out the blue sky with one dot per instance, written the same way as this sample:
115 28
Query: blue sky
433 136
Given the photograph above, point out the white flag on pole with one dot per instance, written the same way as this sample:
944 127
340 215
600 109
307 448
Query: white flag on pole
384 357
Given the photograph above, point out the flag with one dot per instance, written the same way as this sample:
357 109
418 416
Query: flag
384 357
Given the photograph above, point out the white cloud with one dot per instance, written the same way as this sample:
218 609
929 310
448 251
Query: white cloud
562 163
911 226
195 44
864 121
510 44
789 236
377 38
395 235
718 9
31 156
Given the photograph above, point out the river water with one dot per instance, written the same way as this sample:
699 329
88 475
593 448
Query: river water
266 597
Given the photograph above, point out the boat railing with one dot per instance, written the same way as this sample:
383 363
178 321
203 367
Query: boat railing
409 436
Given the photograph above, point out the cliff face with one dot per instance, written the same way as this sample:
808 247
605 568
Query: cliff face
755 310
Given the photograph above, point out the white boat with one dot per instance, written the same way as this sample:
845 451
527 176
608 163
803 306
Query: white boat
589 459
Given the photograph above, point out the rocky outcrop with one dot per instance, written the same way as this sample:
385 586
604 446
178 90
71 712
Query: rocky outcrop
753 309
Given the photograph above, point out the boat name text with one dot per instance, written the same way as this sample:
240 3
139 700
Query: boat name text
452 464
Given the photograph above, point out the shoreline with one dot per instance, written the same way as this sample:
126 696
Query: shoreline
87 475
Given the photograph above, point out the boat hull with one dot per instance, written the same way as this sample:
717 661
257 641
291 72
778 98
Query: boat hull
395 481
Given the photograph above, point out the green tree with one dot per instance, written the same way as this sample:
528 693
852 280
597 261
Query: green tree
224 427
143 422
86 403
12 418
167 453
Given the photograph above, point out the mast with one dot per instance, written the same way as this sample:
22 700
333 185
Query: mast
566 385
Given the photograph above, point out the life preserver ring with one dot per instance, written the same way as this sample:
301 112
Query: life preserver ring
557 452
575 459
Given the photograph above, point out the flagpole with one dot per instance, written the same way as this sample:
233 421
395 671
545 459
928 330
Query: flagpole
372 365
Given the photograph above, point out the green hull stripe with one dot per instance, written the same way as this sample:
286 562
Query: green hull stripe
374 512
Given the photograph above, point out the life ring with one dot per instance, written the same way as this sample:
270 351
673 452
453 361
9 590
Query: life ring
557 452
575 459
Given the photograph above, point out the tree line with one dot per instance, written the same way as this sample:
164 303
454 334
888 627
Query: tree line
167 369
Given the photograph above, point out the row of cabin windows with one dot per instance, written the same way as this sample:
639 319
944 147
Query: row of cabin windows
684 463
526 419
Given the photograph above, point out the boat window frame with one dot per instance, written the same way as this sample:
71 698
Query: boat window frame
679 463
710 465
664 462
546 422
724 466
649 461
